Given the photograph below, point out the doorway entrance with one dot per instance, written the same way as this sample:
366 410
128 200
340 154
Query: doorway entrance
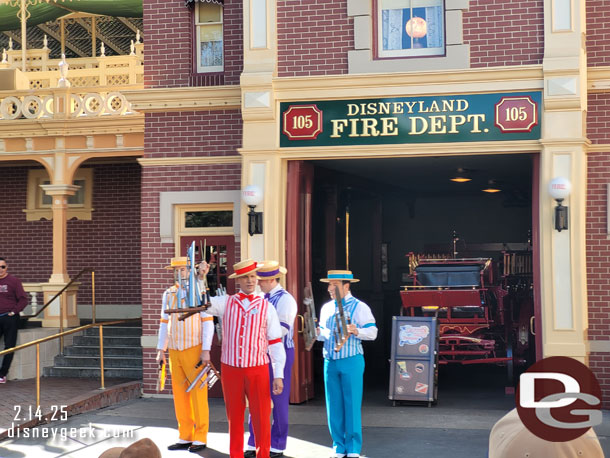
374 216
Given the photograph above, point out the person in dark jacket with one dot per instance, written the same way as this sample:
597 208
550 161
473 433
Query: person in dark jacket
13 299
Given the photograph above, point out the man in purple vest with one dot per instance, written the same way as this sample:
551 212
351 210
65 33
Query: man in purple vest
13 299
268 274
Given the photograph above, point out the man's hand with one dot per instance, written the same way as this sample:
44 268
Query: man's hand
278 386
161 356
352 329
204 268
205 357
11 313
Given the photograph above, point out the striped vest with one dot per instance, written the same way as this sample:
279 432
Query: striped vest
353 346
244 331
187 333
275 299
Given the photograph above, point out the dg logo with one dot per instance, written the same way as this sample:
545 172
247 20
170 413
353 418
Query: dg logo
559 399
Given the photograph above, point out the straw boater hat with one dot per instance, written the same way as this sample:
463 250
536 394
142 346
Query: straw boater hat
510 438
342 275
178 262
268 270
243 268
144 448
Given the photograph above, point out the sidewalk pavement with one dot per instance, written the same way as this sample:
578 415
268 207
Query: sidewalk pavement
58 395
456 428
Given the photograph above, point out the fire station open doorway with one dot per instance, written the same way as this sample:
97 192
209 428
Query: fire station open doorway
369 214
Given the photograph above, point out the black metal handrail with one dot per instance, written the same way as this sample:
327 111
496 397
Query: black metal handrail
86 269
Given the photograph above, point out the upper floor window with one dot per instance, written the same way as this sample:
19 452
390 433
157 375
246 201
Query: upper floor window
410 28
209 35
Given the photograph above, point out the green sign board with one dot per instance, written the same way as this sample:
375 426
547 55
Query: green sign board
426 119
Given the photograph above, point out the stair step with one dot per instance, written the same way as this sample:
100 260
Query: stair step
112 331
113 341
89 372
82 350
94 361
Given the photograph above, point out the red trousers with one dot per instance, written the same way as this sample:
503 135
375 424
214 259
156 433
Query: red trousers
253 382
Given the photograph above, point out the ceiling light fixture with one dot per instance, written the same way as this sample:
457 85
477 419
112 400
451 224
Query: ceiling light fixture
461 176
491 188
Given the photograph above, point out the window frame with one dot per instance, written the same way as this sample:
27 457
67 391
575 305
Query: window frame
181 211
377 39
35 210
197 68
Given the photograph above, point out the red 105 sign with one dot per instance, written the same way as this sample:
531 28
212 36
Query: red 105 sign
516 114
302 122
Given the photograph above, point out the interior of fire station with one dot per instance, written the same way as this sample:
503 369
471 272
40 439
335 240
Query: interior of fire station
382 218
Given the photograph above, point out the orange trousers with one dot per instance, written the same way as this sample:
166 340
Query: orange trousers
192 410
253 382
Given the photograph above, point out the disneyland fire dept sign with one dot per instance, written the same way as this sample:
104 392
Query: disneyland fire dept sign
450 118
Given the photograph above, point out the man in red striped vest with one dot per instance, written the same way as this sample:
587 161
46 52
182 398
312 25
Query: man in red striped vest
250 330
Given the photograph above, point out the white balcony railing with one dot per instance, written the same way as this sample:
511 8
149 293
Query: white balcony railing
63 103
43 73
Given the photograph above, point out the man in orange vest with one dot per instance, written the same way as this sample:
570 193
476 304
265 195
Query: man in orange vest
189 342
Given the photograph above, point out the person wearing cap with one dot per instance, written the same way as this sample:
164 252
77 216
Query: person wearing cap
269 273
252 335
344 369
509 438
189 341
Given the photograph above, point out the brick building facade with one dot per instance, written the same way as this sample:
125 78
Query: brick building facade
217 132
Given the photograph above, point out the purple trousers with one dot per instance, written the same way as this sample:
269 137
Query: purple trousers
279 429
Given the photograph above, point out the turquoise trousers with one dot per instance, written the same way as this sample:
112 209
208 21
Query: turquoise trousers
343 380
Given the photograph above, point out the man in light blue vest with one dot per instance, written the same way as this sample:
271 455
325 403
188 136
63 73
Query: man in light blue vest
343 369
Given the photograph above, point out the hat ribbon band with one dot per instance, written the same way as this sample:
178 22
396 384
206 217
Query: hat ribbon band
268 274
246 269
341 277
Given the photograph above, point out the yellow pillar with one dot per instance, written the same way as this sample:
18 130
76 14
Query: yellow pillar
59 278
563 254
260 129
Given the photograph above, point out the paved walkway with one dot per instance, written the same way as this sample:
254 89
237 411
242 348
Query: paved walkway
18 398
458 427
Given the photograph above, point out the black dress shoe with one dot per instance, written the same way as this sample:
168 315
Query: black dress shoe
197 448
250 454
276 454
180 446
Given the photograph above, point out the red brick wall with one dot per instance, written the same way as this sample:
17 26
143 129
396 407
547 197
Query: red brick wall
155 255
313 37
598 118
504 33
598 264
193 133
169 43
598 34
109 242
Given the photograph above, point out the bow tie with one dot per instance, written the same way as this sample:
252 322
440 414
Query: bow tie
243 296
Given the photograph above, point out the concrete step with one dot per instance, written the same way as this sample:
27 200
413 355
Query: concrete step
81 350
94 361
88 372
113 341
115 331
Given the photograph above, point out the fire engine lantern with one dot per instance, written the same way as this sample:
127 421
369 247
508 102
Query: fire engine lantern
416 27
